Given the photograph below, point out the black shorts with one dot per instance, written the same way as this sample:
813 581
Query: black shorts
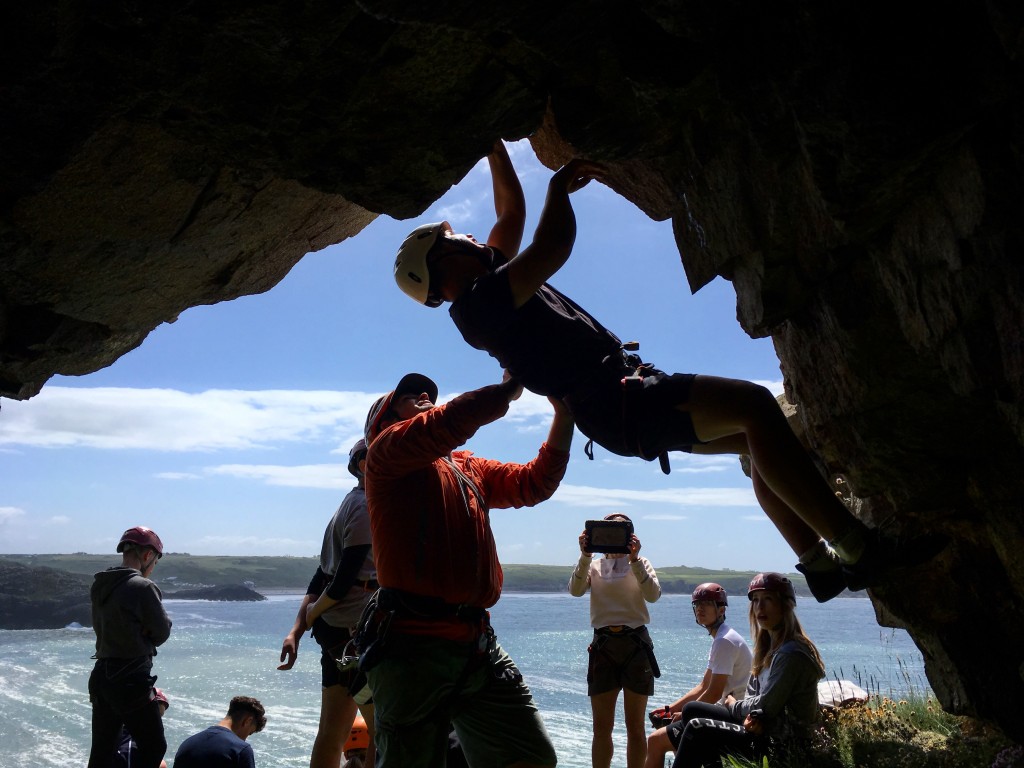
621 661
643 422
332 641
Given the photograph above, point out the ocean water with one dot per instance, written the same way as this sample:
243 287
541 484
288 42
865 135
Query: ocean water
220 650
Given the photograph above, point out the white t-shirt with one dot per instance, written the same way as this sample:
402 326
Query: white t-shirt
729 655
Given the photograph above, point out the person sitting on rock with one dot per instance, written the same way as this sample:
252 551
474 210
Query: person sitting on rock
502 304
777 715
726 675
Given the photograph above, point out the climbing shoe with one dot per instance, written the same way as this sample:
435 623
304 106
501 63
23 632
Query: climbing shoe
824 585
884 554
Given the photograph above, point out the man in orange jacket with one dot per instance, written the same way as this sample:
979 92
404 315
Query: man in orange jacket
437 660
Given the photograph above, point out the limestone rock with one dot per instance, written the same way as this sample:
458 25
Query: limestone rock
42 598
222 593
854 168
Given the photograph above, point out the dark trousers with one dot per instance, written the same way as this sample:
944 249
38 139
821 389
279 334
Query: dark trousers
709 733
120 692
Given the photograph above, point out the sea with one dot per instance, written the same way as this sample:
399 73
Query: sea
218 650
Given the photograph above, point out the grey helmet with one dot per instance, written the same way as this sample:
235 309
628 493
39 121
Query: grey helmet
411 271
355 455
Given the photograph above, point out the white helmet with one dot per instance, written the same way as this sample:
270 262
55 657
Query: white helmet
411 272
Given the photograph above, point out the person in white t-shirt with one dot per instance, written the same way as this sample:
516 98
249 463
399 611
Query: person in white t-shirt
729 663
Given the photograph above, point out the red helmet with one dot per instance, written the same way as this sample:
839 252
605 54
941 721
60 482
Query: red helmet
772 582
358 737
144 537
710 591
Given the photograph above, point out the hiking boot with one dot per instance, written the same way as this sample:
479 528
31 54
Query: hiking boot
885 554
824 585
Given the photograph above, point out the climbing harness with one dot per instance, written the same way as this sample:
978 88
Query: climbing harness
603 634
634 371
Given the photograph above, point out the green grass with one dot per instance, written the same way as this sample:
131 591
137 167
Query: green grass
907 733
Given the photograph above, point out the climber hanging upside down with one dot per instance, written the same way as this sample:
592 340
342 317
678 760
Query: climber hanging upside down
502 304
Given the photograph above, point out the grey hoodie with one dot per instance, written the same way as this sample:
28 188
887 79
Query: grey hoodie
786 691
127 614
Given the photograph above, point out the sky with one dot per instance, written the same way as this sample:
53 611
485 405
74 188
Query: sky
228 430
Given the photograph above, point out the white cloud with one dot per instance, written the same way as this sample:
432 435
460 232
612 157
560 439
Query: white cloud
170 420
458 212
588 496
666 518
329 476
59 520
8 514
177 476
774 386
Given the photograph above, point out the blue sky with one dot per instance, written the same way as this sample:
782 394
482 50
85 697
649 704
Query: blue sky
227 431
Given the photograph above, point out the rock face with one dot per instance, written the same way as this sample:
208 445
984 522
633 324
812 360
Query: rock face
228 592
42 598
854 168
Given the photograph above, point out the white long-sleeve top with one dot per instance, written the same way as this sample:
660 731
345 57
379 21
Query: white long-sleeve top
619 590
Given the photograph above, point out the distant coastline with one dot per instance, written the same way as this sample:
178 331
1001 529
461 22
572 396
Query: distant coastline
280 575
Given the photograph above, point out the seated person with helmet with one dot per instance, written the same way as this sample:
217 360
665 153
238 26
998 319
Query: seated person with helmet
502 304
356 745
780 709
726 675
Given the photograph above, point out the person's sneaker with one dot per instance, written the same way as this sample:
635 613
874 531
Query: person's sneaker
885 554
824 585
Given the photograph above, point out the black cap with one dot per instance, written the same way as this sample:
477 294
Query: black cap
414 384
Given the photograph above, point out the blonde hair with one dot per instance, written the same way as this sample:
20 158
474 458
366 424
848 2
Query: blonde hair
791 629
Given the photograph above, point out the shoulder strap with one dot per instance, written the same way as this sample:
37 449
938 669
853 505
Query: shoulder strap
464 482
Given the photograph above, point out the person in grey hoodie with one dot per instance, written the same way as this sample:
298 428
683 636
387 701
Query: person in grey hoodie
130 622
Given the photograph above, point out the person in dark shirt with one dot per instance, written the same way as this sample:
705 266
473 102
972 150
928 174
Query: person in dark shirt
502 304
224 745
334 601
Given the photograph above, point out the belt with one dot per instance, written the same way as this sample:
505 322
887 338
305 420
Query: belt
618 629
412 605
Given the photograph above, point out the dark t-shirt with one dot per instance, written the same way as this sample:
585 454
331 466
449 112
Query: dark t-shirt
550 343
216 747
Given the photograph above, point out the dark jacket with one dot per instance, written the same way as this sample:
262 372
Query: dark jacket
127 614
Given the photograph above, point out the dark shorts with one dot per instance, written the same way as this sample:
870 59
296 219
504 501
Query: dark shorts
621 661
643 422
332 641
